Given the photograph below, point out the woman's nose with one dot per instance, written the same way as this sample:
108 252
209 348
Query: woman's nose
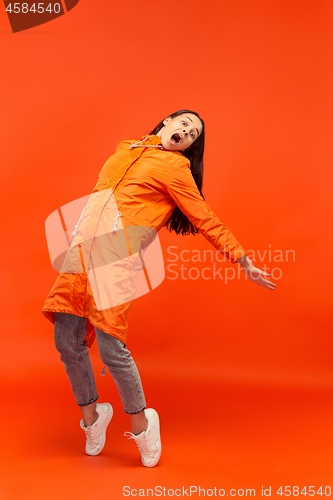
185 132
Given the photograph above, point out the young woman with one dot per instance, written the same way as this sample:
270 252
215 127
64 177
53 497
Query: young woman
146 184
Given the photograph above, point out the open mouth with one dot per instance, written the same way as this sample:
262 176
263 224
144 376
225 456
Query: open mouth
175 138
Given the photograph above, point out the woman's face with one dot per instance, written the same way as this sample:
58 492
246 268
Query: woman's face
180 132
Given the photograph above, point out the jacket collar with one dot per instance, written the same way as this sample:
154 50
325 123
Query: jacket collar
151 139
154 139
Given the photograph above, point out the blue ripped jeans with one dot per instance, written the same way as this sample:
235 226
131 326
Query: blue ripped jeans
69 333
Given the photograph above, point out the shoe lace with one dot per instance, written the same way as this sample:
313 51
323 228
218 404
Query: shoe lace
143 444
92 440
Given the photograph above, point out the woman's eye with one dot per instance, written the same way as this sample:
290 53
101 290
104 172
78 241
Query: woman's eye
192 135
184 122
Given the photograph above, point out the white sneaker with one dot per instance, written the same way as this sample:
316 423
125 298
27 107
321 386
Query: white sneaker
96 433
149 441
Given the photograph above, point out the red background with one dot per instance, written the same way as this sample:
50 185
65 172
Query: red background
241 376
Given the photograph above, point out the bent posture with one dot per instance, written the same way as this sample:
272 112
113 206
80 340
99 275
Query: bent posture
156 182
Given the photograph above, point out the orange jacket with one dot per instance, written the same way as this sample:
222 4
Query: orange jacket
146 182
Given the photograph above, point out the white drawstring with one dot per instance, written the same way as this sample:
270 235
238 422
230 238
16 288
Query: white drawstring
115 222
114 225
74 232
137 144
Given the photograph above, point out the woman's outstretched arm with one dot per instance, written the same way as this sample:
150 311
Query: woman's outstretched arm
184 191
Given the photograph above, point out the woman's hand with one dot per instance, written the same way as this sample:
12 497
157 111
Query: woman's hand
254 274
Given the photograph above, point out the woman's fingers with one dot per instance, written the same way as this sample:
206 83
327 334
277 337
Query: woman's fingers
256 275
263 272
268 284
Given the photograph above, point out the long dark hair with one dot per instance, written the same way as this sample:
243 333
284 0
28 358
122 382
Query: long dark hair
178 221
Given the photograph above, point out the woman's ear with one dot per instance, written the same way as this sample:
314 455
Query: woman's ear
166 120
